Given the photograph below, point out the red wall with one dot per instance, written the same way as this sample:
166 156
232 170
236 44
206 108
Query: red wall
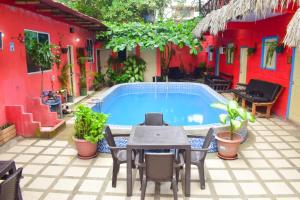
189 62
249 34
15 83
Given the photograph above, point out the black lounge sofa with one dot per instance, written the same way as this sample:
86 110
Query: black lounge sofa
221 83
260 94
175 73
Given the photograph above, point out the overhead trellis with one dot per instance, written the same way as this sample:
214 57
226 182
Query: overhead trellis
216 20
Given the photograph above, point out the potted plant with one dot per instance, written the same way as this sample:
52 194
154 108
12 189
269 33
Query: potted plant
7 132
251 50
228 142
280 48
89 127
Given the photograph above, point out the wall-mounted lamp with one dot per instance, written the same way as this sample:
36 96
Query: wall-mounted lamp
77 39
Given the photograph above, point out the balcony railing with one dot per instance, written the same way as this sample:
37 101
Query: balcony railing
212 5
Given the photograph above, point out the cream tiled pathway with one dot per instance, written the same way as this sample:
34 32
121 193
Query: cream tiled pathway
268 168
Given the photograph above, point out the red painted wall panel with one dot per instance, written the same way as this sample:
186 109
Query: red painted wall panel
15 83
189 62
251 34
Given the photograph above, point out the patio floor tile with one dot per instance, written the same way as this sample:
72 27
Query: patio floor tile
280 163
30 195
243 175
32 169
62 160
225 189
75 171
34 150
84 197
91 186
259 163
219 175
97 172
41 183
253 189
53 170
279 188
290 174
237 164
52 150
57 196
42 159
268 174
65 184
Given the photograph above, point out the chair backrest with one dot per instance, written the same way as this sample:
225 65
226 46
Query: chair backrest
110 141
208 138
267 90
154 119
159 166
9 187
109 137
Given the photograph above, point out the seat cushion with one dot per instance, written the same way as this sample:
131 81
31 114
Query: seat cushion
122 155
263 89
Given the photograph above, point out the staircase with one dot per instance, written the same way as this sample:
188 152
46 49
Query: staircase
212 5
34 120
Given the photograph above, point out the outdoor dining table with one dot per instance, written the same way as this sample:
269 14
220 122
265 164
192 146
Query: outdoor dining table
158 137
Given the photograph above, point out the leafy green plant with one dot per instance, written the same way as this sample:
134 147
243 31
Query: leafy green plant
89 125
162 34
235 115
251 51
270 52
134 68
63 78
202 65
99 80
43 55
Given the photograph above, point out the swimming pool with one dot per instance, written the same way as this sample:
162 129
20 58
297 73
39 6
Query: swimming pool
182 104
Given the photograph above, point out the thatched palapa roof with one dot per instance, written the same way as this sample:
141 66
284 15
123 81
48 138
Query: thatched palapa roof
292 37
216 20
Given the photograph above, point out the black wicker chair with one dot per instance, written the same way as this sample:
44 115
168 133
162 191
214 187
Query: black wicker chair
154 119
160 167
9 188
119 154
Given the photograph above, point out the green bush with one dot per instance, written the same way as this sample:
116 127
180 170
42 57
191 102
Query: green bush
89 125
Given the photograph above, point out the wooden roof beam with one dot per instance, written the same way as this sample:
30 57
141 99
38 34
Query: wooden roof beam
47 10
27 2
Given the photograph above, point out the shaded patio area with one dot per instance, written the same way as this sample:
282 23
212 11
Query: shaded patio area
267 168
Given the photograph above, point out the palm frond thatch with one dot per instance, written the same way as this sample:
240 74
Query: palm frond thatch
216 20
292 37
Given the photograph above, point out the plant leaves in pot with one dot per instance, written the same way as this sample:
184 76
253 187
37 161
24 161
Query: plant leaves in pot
89 127
228 142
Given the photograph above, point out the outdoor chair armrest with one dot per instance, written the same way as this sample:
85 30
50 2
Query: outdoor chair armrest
121 135
203 150
195 136
117 148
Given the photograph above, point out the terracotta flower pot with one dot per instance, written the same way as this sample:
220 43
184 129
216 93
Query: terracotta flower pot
86 150
227 148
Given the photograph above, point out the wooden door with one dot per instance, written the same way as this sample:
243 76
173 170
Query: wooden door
72 78
294 113
243 65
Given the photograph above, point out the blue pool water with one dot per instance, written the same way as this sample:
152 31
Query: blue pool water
183 104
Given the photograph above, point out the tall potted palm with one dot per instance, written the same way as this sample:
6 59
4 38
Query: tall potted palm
89 127
228 142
